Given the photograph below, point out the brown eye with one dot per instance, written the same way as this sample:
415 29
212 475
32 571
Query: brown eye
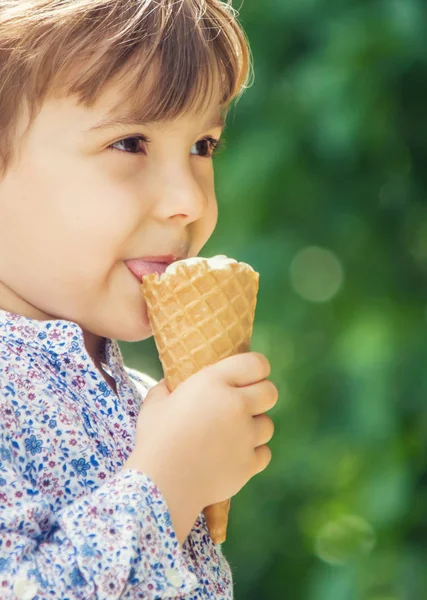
206 147
132 145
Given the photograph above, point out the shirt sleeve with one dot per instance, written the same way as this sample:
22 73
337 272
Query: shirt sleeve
116 542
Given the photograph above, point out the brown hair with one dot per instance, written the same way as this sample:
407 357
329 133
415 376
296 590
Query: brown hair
76 47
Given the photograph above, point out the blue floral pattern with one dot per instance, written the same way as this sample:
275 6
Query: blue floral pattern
73 524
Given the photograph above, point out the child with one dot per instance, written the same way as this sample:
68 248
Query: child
110 112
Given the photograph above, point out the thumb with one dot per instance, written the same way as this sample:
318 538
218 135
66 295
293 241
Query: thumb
157 392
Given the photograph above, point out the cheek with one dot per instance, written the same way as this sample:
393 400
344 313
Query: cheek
109 201
207 224
98 206
47 213
204 228
212 211
92 203
212 217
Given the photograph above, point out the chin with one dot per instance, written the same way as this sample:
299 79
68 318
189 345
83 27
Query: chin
130 331
134 337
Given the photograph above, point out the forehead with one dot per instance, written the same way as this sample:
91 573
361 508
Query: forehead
132 98
131 116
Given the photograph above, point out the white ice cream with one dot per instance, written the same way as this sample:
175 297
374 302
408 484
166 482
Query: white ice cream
216 262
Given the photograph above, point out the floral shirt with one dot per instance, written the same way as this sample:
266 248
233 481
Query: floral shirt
72 524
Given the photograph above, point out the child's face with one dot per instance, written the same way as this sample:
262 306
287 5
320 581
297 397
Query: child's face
72 210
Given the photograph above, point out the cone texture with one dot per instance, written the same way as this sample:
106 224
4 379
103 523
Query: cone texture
199 315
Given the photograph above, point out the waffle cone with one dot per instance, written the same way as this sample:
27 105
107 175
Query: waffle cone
201 312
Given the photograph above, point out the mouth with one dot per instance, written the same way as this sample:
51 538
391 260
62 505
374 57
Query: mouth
149 264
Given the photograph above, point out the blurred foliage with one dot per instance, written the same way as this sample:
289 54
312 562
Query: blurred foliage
323 189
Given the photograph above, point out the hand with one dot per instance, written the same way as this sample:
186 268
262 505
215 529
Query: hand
202 443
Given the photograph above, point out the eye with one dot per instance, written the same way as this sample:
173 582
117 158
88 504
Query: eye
207 147
134 144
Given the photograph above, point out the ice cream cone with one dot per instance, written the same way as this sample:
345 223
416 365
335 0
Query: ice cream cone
201 311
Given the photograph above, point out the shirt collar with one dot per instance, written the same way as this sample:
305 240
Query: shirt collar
57 336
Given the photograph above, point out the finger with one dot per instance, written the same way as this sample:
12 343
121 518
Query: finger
263 430
261 397
242 369
157 392
262 458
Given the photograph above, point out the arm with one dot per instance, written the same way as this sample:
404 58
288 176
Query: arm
102 545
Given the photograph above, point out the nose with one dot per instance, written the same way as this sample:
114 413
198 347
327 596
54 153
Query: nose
181 196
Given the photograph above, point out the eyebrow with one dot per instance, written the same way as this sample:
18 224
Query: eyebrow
130 120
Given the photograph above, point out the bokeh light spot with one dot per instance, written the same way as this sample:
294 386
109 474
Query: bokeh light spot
316 274
342 540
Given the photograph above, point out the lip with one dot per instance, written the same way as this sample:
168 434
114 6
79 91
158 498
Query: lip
149 264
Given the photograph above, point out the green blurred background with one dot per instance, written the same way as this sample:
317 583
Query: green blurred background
323 189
